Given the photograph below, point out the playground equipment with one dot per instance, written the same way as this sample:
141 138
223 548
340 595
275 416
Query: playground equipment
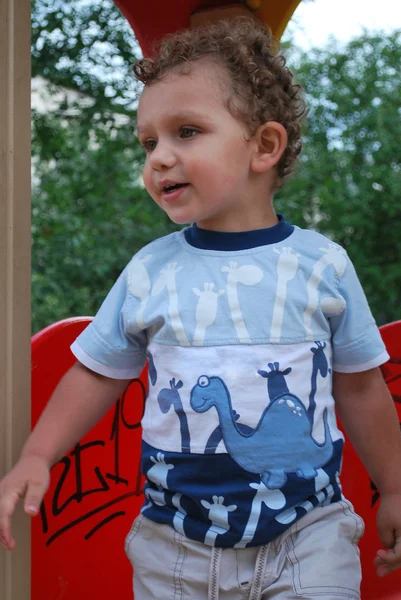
361 490
153 19
96 489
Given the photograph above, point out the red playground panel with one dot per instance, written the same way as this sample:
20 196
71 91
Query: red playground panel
362 492
152 19
96 488
95 491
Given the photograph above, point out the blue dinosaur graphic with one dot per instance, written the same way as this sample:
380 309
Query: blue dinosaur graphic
265 451
319 365
171 397
217 435
276 386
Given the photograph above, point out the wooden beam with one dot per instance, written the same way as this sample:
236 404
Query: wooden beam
15 242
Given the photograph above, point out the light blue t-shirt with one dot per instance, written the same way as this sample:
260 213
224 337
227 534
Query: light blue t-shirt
239 432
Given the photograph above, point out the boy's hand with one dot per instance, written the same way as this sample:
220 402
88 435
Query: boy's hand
30 478
389 526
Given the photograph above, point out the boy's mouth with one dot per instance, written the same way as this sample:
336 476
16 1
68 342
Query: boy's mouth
168 189
172 192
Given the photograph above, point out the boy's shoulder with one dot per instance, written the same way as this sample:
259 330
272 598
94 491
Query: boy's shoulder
313 240
168 242
161 253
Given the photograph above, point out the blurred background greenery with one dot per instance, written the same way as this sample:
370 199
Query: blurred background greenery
91 212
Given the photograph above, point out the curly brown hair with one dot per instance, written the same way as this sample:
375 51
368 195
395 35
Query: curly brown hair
262 87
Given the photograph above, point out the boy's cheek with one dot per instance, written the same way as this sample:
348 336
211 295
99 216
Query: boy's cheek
148 183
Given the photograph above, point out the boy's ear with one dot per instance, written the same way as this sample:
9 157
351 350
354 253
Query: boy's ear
270 142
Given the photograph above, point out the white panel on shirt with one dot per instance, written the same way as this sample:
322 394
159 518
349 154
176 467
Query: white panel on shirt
179 369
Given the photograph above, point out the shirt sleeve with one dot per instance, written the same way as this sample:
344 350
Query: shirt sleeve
356 339
105 346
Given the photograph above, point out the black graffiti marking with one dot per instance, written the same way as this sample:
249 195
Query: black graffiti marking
43 516
375 493
139 488
79 494
115 429
391 379
104 522
74 462
115 436
143 397
87 516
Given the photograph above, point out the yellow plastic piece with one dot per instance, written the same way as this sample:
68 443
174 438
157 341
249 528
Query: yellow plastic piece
253 4
274 13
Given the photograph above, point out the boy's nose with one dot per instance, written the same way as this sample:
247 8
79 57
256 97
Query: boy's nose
162 157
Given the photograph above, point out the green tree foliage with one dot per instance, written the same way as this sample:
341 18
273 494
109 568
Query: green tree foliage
91 213
348 185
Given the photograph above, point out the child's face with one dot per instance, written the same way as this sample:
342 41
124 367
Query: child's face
191 139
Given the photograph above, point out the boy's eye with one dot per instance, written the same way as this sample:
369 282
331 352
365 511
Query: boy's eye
187 132
149 145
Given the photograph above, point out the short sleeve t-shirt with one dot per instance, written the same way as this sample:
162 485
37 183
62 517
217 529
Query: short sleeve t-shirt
242 333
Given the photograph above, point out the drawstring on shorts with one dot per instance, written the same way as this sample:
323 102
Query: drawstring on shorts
257 579
214 574
260 568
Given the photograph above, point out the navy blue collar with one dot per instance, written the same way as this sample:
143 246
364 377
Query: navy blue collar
238 240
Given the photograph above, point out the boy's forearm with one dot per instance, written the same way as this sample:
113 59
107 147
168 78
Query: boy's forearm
370 420
80 400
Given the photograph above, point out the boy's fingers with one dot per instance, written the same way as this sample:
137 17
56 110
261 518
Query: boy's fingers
7 508
390 559
386 537
7 541
387 561
4 532
382 568
34 497
394 553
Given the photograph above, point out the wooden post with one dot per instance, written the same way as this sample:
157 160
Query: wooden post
15 242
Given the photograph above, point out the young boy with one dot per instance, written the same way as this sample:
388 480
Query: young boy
255 330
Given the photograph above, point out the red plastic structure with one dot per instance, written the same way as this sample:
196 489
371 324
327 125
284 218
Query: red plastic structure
362 492
152 20
96 489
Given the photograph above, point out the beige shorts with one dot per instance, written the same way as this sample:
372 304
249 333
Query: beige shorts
315 558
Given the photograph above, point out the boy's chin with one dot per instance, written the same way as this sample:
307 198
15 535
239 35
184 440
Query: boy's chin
179 221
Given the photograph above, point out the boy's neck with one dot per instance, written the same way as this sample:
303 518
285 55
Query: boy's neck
255 217
207 239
